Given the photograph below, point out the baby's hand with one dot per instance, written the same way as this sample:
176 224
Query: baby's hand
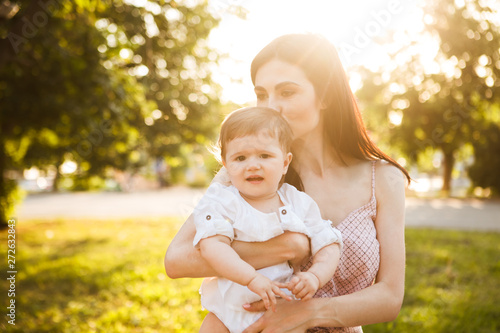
303 285
267 289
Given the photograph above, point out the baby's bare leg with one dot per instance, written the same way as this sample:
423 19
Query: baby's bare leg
212 324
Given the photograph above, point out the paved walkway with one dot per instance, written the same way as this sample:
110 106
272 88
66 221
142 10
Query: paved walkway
470 214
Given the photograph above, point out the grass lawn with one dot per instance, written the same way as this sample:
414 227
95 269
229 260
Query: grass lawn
108 276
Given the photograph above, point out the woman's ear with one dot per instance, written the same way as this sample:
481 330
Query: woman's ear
286 163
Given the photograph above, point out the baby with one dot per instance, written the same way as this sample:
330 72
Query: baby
254 148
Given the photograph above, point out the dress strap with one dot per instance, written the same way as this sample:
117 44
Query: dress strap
373 178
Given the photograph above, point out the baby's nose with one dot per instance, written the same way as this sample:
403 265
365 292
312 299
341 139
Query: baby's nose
253 164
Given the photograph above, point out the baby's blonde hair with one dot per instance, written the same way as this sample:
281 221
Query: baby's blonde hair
250 121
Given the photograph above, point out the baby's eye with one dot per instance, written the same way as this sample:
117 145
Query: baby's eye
240 158
265 156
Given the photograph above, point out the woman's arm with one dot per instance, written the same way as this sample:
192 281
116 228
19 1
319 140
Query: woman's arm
380 302
290 246
184 260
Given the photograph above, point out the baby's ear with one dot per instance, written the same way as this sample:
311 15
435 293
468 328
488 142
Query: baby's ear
286 163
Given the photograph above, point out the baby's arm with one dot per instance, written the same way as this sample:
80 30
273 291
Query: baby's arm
326 243
225 261
305 284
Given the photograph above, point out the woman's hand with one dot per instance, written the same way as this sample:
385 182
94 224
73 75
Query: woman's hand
293 316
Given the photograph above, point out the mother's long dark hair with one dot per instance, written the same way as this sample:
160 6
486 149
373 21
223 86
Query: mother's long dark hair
344 130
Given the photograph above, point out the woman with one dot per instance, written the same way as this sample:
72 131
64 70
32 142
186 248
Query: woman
356 186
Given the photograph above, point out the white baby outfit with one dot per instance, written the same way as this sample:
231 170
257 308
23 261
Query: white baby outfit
222 211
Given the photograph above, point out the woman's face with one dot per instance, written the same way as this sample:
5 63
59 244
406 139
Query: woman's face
285 88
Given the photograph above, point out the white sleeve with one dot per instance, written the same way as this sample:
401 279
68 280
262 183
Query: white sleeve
222 177
215 213
321 231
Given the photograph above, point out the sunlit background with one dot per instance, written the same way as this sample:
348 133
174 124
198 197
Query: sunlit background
108 107
425 75
355 27
366 33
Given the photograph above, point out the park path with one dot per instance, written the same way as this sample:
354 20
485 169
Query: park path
463 214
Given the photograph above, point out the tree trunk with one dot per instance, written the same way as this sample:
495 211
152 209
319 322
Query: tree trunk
448 162
55 185
4 200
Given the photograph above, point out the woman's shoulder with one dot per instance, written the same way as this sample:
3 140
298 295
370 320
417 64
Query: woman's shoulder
389 180
388 172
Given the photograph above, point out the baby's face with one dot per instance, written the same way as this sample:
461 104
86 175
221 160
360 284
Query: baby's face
255 164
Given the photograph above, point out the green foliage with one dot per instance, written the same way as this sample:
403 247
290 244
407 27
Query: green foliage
439 106
103 83
108 275
484 172
168 42
13 195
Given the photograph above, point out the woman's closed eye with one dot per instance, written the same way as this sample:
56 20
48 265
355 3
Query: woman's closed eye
261 96
287 93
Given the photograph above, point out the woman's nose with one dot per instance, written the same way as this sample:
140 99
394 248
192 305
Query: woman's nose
273 103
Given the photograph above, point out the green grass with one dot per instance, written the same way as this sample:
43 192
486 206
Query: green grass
452 283
108 276
99 276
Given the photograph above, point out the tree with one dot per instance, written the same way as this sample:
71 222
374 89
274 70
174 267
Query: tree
484 171
101 83
439 104
168 42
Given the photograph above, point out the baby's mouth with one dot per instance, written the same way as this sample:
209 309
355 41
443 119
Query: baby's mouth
253 179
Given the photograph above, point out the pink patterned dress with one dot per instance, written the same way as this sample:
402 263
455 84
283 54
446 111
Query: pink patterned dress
359 262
